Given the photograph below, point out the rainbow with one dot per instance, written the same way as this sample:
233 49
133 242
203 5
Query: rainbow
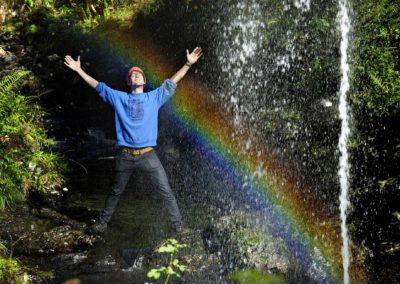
299 218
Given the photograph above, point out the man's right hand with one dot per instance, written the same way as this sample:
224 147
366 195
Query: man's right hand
73 64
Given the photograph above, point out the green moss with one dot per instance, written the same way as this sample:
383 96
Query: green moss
254 276
247 237
45 274
10 270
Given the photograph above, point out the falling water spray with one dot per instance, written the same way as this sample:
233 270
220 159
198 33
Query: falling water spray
344 21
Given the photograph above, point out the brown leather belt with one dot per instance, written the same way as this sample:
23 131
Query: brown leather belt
137 151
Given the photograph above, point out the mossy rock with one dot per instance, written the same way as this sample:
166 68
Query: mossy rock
241 244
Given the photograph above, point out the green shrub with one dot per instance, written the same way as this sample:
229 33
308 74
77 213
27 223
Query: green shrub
26 162
377 72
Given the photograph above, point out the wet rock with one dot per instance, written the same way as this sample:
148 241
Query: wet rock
76 265
15 55
7 56
135 257
201 265
46 213
80 214
106 264
69 258
229 244
242 245
43 233
3 53
62 239
17 48
37 200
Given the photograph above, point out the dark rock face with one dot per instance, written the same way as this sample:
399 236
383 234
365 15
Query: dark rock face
62 239
13 54
46 233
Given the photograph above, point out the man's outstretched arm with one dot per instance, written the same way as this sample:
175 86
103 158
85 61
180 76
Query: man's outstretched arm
76 66
191 59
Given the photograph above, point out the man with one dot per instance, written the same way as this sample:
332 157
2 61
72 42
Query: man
136 119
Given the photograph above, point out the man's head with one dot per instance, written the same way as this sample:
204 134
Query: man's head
136 77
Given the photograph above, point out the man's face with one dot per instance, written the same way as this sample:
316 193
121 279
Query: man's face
137 79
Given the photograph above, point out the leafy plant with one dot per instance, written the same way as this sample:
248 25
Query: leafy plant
172 247
377 72
26 162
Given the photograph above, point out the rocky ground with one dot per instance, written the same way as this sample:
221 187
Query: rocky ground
45 240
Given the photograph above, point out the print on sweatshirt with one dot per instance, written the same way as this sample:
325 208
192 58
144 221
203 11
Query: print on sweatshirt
136 109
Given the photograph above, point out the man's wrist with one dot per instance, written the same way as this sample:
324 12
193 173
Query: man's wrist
79 70
188 64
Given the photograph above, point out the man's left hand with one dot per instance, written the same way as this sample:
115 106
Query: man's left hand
194 55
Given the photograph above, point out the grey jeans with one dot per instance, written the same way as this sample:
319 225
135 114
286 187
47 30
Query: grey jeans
148 163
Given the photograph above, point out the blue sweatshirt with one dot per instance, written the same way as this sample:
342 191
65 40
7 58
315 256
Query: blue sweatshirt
136 115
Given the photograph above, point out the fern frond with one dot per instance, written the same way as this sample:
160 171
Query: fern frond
379 83
10 81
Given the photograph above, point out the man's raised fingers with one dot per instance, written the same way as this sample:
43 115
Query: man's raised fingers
197 50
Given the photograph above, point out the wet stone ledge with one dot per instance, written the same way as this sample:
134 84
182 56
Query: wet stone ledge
43 233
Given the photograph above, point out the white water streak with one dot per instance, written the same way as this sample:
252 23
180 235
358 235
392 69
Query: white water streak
304 5
241 38
344 135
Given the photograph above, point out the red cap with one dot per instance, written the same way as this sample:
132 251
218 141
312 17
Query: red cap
133 69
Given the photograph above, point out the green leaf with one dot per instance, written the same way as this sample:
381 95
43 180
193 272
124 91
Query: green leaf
173 241
170 271
167 248
154 273
397 215
182 268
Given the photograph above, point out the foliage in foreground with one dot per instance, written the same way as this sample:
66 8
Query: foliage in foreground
26 164
172 247
10 271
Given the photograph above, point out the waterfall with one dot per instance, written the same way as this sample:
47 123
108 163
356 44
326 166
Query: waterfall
240 40
344 135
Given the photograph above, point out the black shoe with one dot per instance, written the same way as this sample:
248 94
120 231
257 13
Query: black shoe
97 228
178 229
181 229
